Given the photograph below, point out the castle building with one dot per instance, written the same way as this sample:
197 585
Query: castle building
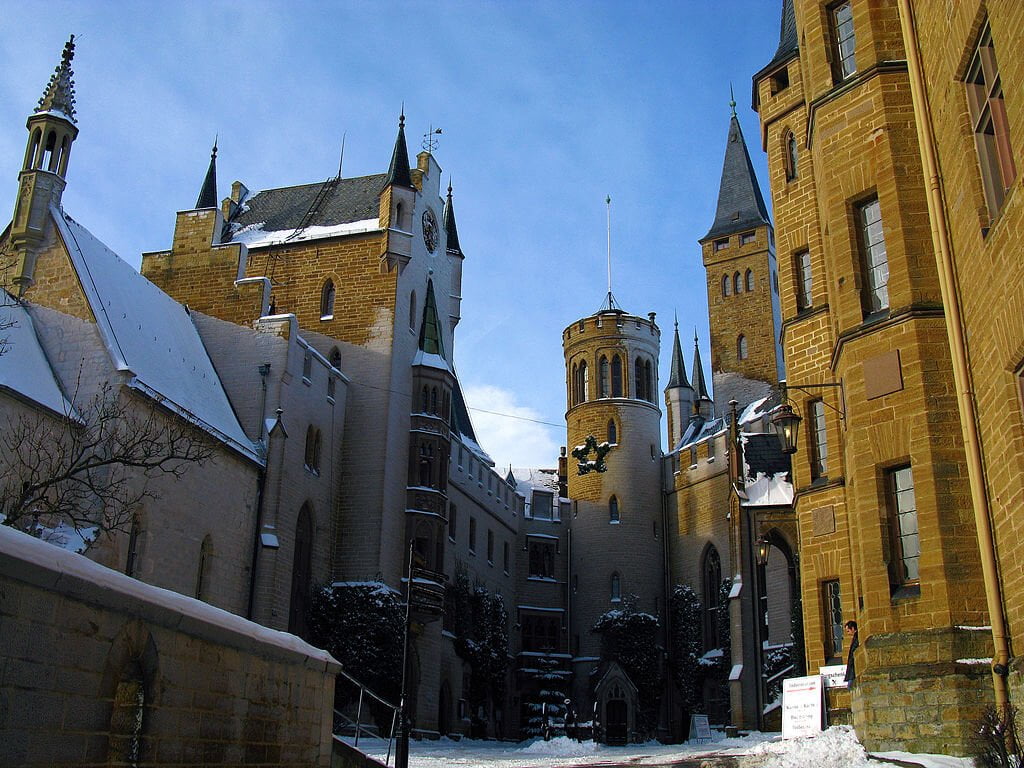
892 132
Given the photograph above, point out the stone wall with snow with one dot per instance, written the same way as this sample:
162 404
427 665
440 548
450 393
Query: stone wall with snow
85 651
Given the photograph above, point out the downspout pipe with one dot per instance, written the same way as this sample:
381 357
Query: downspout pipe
958 349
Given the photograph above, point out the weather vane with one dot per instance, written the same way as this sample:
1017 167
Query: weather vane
429 142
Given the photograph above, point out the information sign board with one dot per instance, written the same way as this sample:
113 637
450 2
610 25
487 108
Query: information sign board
801 706
700 729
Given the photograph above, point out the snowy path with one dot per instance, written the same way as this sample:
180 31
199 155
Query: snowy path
835 748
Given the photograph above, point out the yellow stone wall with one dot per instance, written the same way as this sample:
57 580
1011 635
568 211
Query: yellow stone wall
747 313
989 269
857 140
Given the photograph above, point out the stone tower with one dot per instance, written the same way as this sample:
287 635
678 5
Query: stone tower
51 131
611 360
739 259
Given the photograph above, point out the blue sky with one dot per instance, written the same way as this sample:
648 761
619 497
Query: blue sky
545 107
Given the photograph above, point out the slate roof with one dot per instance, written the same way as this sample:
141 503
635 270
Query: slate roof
700 389
451 231
344 201
208 193
740 204
789 45
762 453
24 367
151 336
677 373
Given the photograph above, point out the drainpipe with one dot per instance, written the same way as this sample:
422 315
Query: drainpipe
261 487
958 348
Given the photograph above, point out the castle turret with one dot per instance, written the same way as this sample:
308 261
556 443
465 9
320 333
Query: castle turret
703 405
678 394
51 131
457 257
742 283
397 200
208 192
611 376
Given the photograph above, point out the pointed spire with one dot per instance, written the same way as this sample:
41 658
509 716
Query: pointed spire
59 95
700 389
431 340
732 100
677 373
451 232
740 204
398 173
208 192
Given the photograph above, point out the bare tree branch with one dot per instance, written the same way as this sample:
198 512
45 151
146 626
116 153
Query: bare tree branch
91 474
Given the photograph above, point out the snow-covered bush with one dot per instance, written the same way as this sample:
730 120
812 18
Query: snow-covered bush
362 625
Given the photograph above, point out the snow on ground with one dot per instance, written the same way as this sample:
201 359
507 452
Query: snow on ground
836 747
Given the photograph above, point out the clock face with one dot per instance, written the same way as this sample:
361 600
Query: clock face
429 230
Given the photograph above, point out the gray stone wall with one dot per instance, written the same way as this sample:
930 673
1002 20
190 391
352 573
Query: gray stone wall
84 649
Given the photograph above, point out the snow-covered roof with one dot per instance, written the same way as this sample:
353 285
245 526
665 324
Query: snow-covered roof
24 368
767 481
698 430
528 479
255 236
151 336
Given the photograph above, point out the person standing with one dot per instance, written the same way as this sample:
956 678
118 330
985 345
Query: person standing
851 632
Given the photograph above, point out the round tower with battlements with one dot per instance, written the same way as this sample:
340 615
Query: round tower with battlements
616 558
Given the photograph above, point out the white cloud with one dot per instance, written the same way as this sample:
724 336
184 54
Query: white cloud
509 432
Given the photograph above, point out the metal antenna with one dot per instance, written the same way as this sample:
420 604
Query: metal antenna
608 204
429 142
341 161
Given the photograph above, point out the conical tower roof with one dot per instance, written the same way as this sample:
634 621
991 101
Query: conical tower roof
677 373
451 231
740 204
59 95
398 172
208 192
700 389
431 341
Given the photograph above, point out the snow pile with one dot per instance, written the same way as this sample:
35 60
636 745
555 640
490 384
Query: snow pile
559 747
254 236
837 746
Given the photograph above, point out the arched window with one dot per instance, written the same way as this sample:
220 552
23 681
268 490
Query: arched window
33 149
203 570
433 400
327 300
711 571
604 377
412 310
574 388
642 379
737 285
791 157
312 460
332 383
131 565
650 381
750 280
128 717
616 588
741 347
582 383
725 285
48 150
302 557
399 213
613 510
613 434
616 376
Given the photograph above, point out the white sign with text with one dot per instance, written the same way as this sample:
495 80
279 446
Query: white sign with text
834 676
801 706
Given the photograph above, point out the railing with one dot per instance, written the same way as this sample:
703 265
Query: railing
345 724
